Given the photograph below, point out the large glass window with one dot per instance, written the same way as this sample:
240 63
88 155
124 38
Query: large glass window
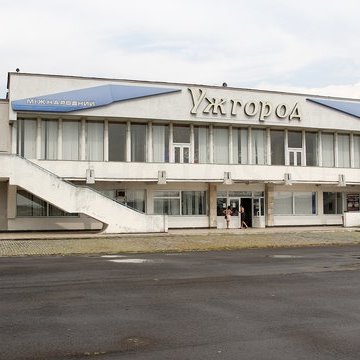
28 205
294 203
94 141
311 148
343 150
201 146
136 199
357 151
49 139
258 137
180 202
160 143
27 138
138 142
117 141
277 147
167 202
332 202
221 145
327 141
304 203
193 203
70 140
240 146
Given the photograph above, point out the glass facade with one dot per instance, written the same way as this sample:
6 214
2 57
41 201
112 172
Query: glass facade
295 203
29 205
277 147
117 141
180 202
190 144
332 203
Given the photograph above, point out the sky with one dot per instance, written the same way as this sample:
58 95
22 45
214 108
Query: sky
306 46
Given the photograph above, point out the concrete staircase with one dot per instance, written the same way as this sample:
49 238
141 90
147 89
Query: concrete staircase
116 217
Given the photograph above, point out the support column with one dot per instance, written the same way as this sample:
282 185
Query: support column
3 205
192 144
211 144
149 152
60 139
38 139
128 141
352 153
231 155
106 140
269 204
171 143
212 205
83 140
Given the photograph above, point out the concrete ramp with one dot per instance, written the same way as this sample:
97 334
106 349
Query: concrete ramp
116 217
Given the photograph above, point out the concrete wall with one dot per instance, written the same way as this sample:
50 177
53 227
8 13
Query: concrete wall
4 127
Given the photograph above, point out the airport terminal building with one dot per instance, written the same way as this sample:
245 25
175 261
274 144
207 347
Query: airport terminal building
137 156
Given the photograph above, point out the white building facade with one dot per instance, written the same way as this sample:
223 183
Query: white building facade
136 156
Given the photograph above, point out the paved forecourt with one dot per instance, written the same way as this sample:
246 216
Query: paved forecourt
65 243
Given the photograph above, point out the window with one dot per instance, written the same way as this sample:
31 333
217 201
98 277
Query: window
193 203
258 137
138 142
221 145
28 205
117 141
343 148
277 147
160 143
168 202
94 141
135 199
201 144
27 138
240 146
311 140
294 139
181 134
294 203
357 151
327 141
70 140
49 139
332 202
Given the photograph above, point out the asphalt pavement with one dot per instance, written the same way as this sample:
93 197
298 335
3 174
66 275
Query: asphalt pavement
251 304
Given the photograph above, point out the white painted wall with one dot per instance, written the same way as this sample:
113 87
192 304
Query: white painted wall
352 218
178 106
70 198
4 127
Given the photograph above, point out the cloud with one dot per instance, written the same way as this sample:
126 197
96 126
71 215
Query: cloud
295 45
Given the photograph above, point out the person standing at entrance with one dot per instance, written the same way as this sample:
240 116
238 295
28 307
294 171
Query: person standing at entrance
242 214
228 213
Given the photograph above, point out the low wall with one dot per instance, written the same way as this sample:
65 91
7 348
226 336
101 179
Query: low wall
352 218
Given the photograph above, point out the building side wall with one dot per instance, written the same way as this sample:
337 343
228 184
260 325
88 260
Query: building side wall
4 127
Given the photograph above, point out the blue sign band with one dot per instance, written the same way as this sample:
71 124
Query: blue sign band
87 98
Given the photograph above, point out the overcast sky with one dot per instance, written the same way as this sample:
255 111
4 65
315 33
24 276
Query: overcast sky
310 46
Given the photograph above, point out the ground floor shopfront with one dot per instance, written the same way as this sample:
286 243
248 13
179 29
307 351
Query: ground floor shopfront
190 205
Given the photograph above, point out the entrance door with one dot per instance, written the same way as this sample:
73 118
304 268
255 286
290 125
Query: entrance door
182 153
258 212
235 218
246 203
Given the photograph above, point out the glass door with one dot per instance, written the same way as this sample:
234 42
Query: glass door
235 217
258 220
182 153
295 156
